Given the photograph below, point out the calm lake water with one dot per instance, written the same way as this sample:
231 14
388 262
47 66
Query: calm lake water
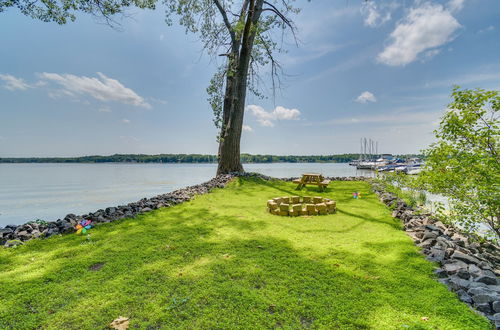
50 191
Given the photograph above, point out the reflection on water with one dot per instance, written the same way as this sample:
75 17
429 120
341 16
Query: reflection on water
50 191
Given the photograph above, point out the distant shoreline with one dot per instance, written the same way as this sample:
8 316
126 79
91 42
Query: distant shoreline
187 159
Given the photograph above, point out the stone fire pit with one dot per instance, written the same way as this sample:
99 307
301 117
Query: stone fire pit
295 206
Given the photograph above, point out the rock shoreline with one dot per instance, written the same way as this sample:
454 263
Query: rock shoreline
13 235
468 268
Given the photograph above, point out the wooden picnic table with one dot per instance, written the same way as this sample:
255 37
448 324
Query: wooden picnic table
312 179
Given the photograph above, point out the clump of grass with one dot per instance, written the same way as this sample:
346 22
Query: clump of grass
222 261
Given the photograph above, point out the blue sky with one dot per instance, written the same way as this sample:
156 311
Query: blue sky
382 70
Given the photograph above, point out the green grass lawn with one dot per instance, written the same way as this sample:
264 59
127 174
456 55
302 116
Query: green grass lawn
222 261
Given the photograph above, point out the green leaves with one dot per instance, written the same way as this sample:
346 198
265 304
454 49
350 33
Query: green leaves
464 163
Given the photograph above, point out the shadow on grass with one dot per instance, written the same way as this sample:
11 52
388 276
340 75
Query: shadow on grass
192 267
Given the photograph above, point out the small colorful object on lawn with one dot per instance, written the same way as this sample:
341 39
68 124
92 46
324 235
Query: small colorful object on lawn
356 195
83 226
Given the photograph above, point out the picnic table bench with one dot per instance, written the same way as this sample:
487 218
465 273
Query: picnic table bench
312 179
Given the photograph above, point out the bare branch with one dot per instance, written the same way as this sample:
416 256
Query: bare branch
225 19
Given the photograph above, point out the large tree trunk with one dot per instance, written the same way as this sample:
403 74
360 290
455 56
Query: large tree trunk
234 100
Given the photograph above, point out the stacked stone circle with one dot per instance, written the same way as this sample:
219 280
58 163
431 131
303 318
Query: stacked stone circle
295 206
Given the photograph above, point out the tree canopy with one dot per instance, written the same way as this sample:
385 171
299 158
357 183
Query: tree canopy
464 163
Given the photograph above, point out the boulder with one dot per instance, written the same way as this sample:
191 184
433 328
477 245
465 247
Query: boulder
457 283
496 306
440 273
478 290
474 270
428 243
463 296
5 231
477 285
495 288
436 255
487 279
484 298
463 273
65 227
465 257
429 234
485 308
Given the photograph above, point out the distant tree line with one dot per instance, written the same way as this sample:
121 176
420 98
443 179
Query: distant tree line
190 158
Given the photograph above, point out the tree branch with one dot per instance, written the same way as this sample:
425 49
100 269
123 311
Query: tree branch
225 19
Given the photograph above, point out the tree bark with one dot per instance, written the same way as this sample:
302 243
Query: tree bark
235 95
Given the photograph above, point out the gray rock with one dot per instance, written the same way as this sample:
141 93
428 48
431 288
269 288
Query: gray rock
445 281
13 242
463 273
479 291
443 241
490 280
475 270
453 268
464 257
429 234
484 265
463 296
495 288
496 318
146 209
477 285
66 227
457 283
484 298
440 273
428 243
485 308
433 228
23 235
5 231
51 232
437 255
496 306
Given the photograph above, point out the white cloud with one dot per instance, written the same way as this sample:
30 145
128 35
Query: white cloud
430 54
266 118
101 88
158 100
105 109
366 97
455 5
125 121
374 15
247 128
424 28
488 29
12 83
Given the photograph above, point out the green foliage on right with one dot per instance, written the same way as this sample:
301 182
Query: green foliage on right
222 261
464 164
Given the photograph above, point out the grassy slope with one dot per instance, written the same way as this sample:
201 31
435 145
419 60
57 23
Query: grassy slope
221 261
